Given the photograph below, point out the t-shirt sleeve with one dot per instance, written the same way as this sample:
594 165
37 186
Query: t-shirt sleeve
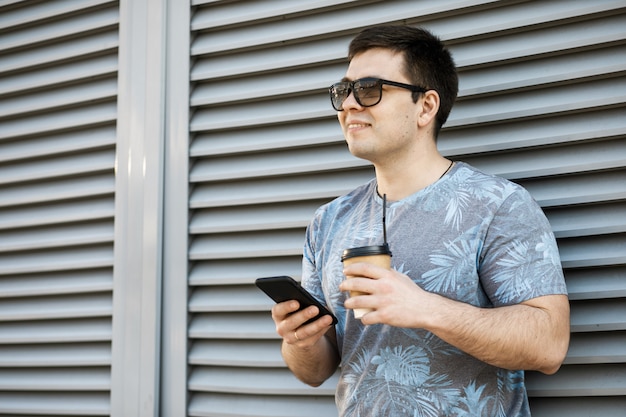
520 258
311 274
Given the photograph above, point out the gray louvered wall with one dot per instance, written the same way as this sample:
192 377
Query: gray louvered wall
541 103
58 76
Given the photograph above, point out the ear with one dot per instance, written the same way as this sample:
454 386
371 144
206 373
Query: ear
429 108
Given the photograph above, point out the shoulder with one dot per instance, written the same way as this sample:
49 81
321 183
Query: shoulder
488 188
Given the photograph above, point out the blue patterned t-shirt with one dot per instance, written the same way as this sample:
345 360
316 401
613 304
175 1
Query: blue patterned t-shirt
471 237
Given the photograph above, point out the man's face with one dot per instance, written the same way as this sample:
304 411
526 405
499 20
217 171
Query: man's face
388 130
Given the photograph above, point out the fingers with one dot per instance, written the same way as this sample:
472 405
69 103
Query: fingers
366 270
281 310
310 333
364 277
290 322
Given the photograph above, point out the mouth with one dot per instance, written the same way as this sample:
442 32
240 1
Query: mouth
357 125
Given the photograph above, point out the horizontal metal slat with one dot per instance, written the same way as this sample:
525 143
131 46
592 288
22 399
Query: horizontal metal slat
233 405
60 143
64 97
65 282
598 315
255 217
293 161
245 325
59 27
247 245
37 12
221 271
93 115
227 298
578 407
57 213
58 403
226 14
60 166
266 112
543 71
590 187
588 219
590 251
62 74
98 43
304 133
55 379
542 102
57 190
596 283
554 160
57 331
275 84
52 259
56 355
597 347
279 189
273 381
303 54
515 17
45 55
535 131
242 353
56 236
56 307
579 381
551 40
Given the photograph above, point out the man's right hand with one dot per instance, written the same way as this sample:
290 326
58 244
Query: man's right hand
309 350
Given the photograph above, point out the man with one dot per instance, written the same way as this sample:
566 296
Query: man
476 293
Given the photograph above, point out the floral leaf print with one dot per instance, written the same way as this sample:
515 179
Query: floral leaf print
487 188
508 381
400 384
473 404
515 266
406 367
453 264
548 249
401 270
550 262
457 204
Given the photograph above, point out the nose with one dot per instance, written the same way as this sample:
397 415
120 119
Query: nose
350 102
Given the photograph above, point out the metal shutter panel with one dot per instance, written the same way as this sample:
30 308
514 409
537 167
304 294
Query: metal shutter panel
541 103
58 65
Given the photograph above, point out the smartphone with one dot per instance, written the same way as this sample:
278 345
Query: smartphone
284 288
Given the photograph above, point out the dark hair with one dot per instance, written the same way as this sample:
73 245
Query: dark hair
428 63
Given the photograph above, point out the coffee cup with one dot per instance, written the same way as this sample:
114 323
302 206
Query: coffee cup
379 255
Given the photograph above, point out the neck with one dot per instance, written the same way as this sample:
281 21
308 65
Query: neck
399 182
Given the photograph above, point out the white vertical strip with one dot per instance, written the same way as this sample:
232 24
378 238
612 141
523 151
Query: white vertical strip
175 242
138 227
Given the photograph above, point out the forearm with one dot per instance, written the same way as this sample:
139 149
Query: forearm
312 364
523 336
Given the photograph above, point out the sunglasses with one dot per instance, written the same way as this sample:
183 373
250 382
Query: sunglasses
367 91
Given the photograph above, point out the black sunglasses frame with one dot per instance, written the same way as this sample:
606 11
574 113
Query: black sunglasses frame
379 84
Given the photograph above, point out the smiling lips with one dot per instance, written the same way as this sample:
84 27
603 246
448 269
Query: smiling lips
357 125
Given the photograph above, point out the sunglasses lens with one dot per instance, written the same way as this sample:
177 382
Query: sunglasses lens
367 92
339 92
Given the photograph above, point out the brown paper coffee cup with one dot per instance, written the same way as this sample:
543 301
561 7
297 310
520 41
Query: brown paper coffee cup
377 255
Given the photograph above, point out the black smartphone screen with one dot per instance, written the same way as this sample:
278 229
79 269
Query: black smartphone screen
284 288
